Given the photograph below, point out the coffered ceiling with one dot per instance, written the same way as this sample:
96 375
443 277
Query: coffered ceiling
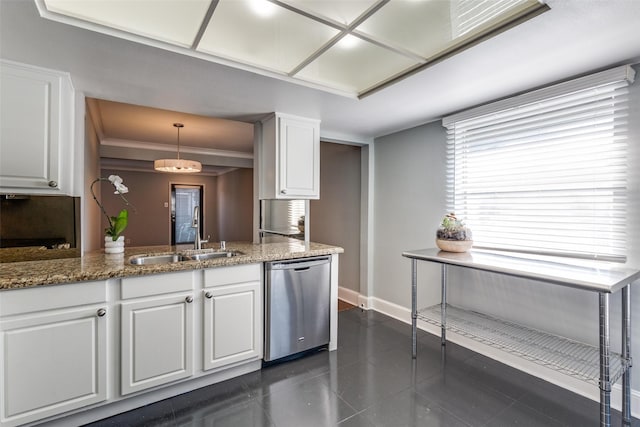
133 136
572 38
349 47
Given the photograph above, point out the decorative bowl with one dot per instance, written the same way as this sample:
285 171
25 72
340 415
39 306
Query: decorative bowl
454 245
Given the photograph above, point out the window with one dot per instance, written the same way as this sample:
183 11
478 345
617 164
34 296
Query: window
545 172
295 211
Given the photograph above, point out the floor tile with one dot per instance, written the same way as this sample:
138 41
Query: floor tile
460 395
521 415
364 317
309 403
400 361
364 384
159 414
409 409
247 414
568 408
498 376
357 420
224 394
287 374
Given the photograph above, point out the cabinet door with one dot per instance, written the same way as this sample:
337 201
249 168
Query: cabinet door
157 342
299 156
52 363
232 324
30 131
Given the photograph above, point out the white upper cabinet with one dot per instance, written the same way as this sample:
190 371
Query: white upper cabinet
36 136
289 155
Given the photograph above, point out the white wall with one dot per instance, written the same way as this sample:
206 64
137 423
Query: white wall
410 201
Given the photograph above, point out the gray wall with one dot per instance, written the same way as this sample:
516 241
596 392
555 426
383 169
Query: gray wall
92 230
409 188
409 203
235 206
335 218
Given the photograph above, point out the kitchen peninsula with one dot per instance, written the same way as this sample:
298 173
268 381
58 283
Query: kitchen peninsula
120 336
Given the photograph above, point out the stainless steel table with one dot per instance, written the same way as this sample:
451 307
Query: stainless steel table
597 365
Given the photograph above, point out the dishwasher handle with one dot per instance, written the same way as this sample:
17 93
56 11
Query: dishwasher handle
298 265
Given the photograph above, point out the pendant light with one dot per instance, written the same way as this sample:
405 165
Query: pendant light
177 165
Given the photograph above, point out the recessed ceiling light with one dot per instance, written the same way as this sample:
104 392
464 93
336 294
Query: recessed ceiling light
263 8
348 42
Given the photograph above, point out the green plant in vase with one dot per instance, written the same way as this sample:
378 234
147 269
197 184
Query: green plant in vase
117 223
453 235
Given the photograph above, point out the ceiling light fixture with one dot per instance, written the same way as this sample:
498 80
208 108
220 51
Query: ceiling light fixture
177 165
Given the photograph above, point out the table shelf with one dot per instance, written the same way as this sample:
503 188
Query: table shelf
561 354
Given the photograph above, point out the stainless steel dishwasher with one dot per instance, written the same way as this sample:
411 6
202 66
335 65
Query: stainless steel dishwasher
296 306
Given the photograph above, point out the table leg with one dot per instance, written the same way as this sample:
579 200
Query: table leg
605 384
414 307
626 354
443 306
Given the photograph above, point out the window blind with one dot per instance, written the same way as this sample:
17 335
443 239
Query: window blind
295 210
545 172
467 15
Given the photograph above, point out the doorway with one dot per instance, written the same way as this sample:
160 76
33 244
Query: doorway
184 199
335 218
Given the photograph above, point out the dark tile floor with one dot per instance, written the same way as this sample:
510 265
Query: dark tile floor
371 380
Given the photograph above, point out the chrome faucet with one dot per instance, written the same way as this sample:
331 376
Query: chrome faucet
197 244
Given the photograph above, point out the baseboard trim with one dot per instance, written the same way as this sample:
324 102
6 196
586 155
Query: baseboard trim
404 315
353 297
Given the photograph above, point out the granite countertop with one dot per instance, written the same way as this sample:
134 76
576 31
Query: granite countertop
101 266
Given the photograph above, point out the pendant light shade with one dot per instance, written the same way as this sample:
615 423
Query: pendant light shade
177 165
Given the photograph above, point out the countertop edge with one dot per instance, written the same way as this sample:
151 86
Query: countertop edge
99 266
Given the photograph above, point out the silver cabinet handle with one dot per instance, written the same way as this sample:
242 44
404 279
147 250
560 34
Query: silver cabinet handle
189 299
53 184
208 295
101 312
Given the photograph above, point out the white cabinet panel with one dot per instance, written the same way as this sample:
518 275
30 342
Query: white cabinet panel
36 144
290 158
157 342
232 324
52 363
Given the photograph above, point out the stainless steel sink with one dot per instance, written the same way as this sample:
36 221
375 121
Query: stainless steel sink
172 258
208 255
156 259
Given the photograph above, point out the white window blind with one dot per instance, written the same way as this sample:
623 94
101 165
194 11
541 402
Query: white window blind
467 15
295 210
545 172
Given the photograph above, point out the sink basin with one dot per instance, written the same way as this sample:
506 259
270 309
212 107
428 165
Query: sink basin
171 258
208 255
156 259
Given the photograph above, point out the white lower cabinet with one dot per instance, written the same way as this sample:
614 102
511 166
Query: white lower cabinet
52 361
64 348
156 331
232 315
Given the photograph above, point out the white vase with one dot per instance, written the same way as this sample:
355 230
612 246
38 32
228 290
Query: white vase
113 246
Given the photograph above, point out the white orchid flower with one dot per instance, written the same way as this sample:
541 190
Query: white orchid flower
117 183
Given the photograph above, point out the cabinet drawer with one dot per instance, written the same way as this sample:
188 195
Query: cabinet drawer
39 298
156 284
230 275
